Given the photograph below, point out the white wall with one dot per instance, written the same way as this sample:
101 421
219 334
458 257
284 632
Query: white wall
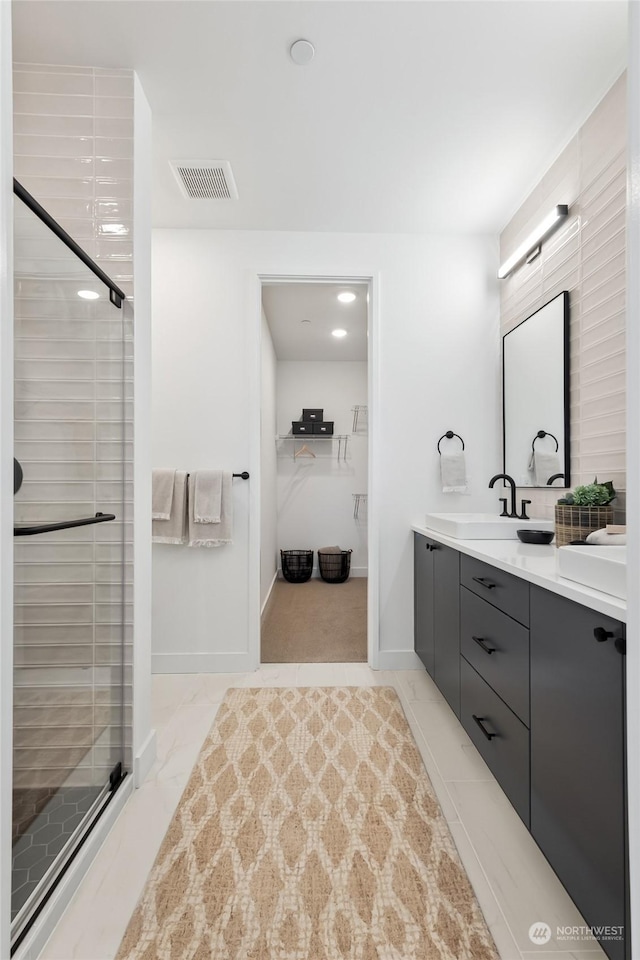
6 474
437 345
268 466
315 504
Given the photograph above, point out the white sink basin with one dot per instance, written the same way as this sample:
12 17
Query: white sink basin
600 567
482 526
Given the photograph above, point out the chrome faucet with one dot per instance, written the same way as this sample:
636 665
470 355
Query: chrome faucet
511 481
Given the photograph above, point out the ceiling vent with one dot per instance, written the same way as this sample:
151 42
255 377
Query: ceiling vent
205 179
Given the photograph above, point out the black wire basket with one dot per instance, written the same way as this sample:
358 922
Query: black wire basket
297 565
335 567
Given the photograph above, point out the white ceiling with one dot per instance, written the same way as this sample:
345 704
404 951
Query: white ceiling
288 305
423 116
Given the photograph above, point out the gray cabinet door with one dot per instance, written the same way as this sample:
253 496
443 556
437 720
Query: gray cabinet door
446 616
423 591
577 756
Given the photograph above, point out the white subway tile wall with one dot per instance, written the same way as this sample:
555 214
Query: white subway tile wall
587 258
73 151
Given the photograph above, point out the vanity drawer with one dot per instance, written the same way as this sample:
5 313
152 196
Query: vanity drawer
504 591
499 652
501 739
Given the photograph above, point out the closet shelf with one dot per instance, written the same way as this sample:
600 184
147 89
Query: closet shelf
302 441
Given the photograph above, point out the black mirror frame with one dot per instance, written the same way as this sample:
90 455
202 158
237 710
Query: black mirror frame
566 392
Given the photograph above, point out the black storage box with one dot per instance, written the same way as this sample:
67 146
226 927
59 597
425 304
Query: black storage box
312 413
301 427
297 565
323 426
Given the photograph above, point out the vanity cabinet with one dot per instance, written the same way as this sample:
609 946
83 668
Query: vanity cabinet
577 754
437 614
539 687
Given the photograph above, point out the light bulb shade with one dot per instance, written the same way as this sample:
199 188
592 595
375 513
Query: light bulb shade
541 232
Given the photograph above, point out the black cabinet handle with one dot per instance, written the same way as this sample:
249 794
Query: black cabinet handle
601 634
479 721
63 525
484 582
430 546
482 644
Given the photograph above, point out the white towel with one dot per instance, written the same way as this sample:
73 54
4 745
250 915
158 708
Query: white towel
543 465
207 499
605 539
173 530
453 470
212 534
162 483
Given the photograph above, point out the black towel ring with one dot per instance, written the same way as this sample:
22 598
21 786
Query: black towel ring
544 433
449 436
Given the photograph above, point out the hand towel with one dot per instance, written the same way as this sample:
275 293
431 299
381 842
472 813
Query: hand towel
207 498
212 534
543 465
605 539
173 530
162 483
454 472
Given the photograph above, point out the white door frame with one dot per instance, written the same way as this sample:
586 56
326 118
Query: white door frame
371 278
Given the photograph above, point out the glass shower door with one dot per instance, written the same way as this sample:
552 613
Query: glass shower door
69 562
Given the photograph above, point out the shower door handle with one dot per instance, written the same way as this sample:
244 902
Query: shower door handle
63 525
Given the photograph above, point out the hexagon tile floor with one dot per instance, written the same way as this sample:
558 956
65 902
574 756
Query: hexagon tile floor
37 848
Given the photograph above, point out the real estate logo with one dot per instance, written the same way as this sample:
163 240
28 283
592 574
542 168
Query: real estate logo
539 933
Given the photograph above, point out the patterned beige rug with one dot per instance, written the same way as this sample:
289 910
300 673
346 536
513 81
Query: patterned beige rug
309 830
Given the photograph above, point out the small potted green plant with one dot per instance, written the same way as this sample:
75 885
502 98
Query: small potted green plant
587 509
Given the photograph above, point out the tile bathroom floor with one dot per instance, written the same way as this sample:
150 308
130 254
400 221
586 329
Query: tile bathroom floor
514 885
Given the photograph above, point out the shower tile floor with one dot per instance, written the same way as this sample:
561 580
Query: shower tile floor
44 837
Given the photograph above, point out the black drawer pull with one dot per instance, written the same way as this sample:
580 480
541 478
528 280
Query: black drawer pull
430 546
482 644
484 582
601 634
479 721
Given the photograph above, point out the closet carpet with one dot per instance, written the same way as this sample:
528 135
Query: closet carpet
309 830
316 622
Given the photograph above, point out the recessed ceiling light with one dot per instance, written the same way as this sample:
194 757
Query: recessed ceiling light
88 294
346 297
339 333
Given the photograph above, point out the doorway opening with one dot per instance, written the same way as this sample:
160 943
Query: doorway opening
314 551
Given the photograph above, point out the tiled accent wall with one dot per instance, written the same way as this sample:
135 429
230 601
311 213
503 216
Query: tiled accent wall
73 150
587 258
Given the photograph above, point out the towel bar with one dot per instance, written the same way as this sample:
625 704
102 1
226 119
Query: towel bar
449 435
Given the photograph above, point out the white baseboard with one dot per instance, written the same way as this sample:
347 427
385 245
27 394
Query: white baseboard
354 572
201 663
144 759
44 925
266 599
399 660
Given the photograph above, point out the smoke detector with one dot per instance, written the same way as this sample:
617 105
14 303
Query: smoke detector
205 179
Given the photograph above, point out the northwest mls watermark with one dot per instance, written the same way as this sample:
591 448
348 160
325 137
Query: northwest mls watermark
540 933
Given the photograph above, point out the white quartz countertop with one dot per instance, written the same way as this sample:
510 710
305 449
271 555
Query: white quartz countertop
535 563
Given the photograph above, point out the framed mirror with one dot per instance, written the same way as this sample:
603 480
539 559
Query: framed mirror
535 393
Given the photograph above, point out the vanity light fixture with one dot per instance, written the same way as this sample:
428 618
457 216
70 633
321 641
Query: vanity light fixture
346 297
339 333
88 294
542 231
